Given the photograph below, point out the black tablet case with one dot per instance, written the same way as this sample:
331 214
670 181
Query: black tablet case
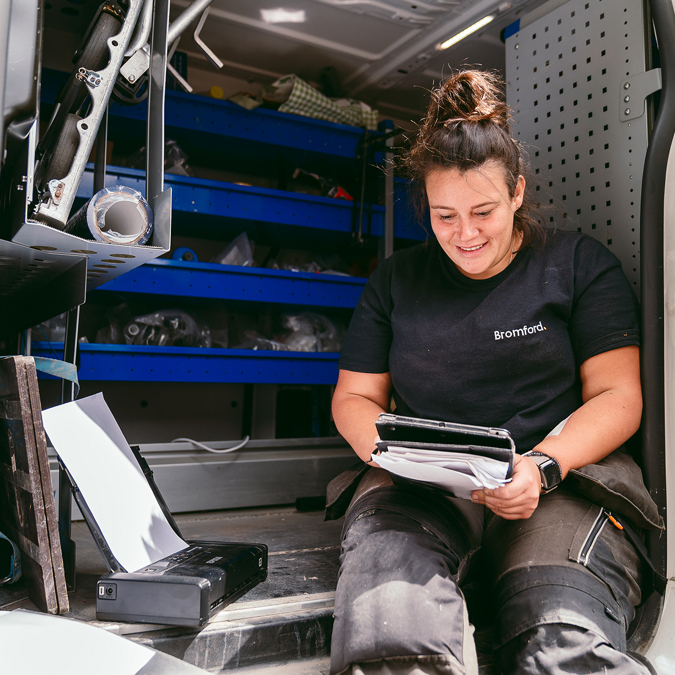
423 434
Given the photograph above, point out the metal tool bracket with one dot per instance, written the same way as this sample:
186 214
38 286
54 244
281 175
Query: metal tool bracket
634 91
100 86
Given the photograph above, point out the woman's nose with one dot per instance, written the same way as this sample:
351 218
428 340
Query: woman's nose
466 230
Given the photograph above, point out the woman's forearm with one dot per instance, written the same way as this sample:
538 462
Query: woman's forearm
355 420
358 400
609 416
596 429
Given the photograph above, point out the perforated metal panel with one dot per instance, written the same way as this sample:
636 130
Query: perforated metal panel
585 132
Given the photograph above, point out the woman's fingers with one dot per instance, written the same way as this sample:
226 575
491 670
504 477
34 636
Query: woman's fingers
519 498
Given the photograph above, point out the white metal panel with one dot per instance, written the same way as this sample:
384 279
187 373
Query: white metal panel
565 76
264 473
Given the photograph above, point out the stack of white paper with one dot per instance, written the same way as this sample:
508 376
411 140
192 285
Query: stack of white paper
458 472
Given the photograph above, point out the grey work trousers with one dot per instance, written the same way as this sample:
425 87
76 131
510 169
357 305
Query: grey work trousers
561 586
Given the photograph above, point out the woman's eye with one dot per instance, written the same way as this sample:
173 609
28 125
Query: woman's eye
446 217
484 214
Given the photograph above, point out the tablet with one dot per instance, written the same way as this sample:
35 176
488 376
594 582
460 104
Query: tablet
435 435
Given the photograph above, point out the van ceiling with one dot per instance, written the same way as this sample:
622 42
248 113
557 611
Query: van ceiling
383 52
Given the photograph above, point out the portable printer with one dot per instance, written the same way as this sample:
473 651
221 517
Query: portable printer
183 589
155 575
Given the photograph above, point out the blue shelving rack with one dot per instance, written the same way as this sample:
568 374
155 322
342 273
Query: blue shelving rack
243 204
221 210
229 282
203 118
127 363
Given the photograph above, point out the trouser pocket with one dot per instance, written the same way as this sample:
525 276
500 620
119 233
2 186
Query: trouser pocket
601 546
568 563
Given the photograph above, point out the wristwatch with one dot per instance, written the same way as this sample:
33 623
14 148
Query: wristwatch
549 470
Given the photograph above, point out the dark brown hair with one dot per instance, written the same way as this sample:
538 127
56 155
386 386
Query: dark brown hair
467 126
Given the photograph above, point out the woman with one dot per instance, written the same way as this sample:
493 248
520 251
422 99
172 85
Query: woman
495 322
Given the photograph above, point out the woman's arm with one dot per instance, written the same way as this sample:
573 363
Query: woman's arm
358 400
609 416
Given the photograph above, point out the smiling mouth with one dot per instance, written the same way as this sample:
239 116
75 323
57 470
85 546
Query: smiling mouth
472 248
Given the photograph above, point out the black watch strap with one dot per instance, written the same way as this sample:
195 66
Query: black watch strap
549 470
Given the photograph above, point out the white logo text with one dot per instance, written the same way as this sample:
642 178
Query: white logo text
519 332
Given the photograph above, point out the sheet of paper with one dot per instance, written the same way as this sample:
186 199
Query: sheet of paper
459 473
39 643
88 440
492 467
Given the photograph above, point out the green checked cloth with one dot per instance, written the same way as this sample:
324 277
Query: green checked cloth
303 99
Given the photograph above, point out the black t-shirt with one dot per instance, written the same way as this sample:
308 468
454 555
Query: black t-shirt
503 351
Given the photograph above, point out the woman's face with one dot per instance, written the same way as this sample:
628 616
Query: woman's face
472 217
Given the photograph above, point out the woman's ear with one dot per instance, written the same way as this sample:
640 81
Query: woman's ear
519 193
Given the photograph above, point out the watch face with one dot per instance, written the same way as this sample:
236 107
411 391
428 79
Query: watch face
550 474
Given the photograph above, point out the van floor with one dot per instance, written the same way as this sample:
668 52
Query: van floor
280 627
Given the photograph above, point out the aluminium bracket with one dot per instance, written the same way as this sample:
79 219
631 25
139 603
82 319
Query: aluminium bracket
634 91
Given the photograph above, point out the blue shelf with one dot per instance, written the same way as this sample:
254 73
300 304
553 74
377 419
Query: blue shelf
244 204
122 363
204 116
228 282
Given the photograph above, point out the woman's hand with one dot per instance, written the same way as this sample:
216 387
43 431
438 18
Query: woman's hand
519 498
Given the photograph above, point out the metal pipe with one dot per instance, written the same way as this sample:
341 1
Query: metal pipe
179 26
389 195
202 45
154 185
100 153
142 30
652 274
68 394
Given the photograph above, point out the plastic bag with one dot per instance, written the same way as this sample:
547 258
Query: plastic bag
296 260
254 340
167 328
175 159
311 332
238 252
53 330
114 319
301 342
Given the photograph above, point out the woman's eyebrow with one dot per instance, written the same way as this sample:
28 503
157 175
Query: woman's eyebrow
451 208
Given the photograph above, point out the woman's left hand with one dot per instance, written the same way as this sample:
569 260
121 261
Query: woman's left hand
519 498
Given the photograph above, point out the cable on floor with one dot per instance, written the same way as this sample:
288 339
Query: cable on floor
239 446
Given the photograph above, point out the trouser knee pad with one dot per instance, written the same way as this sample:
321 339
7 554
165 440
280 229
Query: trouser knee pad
540 596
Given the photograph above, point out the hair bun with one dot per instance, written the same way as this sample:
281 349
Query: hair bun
468 96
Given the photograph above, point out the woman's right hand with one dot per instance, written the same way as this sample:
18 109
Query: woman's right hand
518 499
